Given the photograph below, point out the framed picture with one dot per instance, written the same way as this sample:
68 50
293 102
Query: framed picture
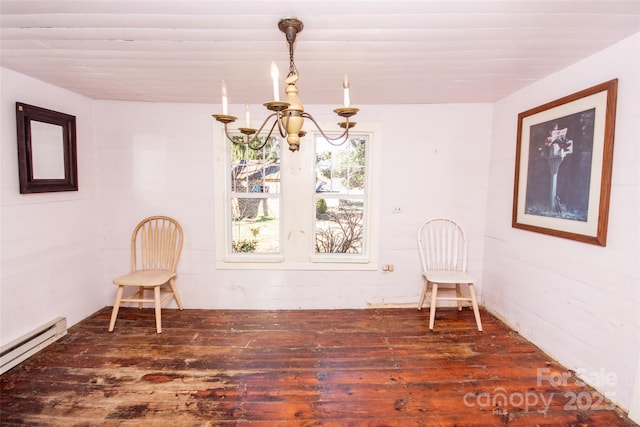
563 165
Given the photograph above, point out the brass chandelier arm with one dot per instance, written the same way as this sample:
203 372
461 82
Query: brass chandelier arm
282 127
338 140
250 140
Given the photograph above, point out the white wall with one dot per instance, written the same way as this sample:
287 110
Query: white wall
579 302
158 159
50 241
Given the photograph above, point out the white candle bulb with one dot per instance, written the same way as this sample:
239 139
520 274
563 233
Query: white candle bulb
275 75
225 105
345 85
247 116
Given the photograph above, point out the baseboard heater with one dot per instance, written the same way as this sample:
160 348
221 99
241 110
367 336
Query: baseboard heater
29 344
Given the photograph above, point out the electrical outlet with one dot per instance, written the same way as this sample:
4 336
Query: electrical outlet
397 209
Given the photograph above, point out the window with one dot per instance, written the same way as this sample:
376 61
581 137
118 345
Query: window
311 209
254 198
340 198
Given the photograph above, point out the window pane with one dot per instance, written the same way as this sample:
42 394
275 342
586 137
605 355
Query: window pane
340 169
339 226
255 224
256 171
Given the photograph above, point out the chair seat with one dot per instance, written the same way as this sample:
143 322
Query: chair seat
448 277
146 278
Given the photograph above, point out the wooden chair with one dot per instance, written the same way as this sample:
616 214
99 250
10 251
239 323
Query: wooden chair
156 244
442 244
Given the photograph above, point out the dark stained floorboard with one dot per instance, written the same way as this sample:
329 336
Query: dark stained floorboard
376 367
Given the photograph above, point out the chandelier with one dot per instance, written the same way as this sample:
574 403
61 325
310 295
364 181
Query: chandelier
288 115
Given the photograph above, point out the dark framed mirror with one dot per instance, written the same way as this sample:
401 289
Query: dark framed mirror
47 158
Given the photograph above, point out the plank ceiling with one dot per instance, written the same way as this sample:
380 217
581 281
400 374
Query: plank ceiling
395 52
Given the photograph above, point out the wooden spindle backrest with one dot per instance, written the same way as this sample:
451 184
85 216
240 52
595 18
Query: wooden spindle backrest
156 244
442 244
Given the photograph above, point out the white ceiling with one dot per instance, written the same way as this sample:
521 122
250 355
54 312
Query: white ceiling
395 52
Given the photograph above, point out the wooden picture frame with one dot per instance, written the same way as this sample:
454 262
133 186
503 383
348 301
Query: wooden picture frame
47 158
564 157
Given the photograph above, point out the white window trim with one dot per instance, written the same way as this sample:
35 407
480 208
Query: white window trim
299 173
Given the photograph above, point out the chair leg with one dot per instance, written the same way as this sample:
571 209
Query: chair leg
175 294
459 296
158 304
432 311
424 294
140 295
476 310
116 307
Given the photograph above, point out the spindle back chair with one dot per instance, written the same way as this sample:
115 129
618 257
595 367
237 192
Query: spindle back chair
442 244
156 244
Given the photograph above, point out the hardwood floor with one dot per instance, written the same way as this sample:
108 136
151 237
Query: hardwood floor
377 367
